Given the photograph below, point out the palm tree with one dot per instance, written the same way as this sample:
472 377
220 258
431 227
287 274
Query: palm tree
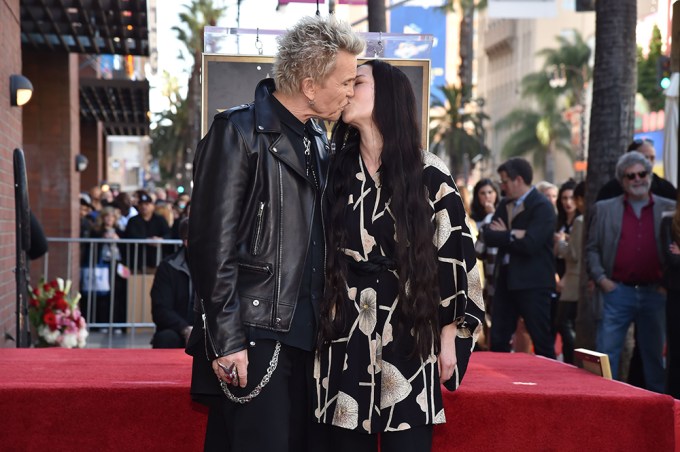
468 8
572 58
540 131
613 111
454 132
169 135
197 15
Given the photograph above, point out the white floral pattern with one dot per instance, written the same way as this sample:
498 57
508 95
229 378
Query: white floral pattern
367 380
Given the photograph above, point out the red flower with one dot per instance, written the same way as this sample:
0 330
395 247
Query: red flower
50 320
33 302
54 284
61 304
36 291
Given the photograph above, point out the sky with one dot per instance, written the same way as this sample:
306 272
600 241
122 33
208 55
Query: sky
254 14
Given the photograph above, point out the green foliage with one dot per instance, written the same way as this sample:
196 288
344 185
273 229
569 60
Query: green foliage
455 131
168 137
197 15
648 84
450 5
541 130
172 135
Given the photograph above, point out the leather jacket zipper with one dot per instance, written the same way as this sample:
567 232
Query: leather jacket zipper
206 336
255 247
256 267
275 312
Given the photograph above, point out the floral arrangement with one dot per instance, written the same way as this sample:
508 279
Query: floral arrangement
56 316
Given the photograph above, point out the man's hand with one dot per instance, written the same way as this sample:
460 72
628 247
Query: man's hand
607 285
447 356
239 375
519 233
498 225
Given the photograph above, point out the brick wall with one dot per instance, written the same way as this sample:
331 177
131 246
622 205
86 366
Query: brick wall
51 126
10 138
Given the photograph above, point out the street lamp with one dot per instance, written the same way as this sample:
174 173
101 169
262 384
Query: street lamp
557 78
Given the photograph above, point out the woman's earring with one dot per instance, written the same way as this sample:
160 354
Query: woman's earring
311 103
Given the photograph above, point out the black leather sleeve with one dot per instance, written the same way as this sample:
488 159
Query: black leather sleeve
221 180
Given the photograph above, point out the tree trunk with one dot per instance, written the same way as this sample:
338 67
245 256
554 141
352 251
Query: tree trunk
612 113
376 16
613 109
550 163
466 49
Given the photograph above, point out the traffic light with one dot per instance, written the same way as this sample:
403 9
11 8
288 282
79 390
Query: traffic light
663 71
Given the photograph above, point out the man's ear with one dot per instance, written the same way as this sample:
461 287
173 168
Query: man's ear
308 88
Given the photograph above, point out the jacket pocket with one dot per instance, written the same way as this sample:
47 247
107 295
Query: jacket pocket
256 292
257 230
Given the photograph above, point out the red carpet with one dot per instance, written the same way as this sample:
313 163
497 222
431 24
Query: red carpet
85 400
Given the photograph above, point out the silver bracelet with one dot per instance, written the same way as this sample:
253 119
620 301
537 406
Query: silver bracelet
255 392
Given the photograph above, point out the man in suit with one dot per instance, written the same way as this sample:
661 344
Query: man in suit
626 260
522 228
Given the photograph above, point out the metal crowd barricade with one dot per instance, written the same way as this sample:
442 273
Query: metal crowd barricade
128 254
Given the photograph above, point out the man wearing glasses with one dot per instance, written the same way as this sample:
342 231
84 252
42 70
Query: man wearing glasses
626 261
660 186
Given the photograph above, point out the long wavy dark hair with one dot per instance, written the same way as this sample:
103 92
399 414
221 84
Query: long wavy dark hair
477 210
562 218
401 175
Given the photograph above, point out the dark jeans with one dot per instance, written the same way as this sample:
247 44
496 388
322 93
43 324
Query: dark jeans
531 304
416 439
279 418
565 325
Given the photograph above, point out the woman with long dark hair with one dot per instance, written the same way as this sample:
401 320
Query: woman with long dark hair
402 302
485 198
569 250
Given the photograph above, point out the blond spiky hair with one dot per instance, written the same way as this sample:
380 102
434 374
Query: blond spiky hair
310 48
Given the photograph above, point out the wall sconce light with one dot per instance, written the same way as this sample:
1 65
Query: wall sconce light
81 163
20 90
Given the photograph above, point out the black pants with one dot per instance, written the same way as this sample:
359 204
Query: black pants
533 305
565 325
279 418
416 439
167 339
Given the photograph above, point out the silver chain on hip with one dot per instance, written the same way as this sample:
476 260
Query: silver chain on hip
256 391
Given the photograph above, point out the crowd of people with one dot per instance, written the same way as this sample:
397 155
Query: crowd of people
531 250
118 215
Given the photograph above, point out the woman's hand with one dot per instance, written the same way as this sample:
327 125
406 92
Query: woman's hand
674 249
447 356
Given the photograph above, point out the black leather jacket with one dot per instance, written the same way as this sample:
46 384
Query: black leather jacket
250 224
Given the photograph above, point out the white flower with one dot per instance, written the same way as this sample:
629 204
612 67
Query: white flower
367 311
69 340
346 412
394 386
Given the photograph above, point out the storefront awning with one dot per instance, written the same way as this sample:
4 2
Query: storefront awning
116 27
121 105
